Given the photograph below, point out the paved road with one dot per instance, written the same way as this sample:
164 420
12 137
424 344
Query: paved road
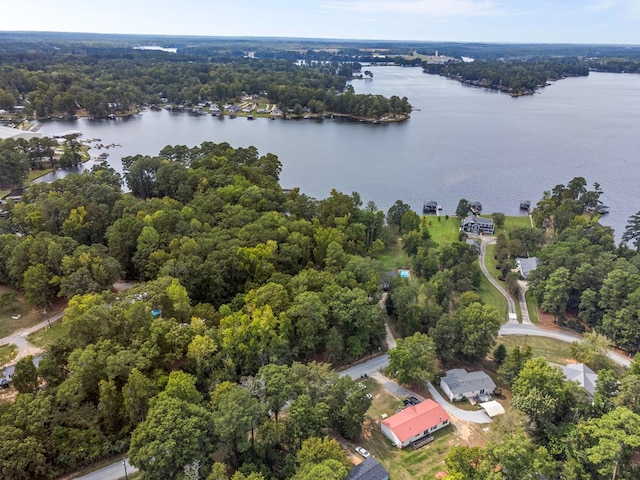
115 471
511 328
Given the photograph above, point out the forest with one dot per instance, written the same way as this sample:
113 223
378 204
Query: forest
248 296
516 77
68 79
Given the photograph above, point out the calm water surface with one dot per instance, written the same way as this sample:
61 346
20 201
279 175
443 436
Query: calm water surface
461 142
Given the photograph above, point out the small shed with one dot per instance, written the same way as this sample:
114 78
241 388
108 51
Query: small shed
492 408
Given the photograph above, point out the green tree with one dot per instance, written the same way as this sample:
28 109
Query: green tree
38 289
316 450
611 441
25 376
592 350
14 164
556 293
22 456
632 231
413 361
175 434
463 208
500 353
395 214
235 414
513 363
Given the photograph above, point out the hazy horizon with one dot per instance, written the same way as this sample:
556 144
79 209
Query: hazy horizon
608 22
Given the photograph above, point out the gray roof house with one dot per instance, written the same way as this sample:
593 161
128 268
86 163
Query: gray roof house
475 224
527 265
458 384
370 469
579 372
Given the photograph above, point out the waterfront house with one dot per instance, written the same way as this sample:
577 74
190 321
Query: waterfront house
458 384
475 224
414 423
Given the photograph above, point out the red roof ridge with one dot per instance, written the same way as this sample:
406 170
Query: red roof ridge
416 419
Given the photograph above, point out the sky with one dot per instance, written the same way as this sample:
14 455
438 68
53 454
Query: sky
509 21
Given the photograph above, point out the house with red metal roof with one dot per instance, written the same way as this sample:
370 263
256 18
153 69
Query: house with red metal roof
414 423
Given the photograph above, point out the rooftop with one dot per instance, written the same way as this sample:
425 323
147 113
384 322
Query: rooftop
416 419
460 381
370 469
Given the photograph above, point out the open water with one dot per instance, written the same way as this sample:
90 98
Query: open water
461 142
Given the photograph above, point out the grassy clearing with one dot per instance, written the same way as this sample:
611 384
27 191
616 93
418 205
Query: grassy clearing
552 350
33 174
532 307
394 258
28 317
491 296
512 222
7 353
45 337
444 231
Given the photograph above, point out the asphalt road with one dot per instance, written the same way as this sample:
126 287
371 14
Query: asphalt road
115 471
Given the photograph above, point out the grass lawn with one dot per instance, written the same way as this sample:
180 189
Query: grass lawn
394 258
7 353
552 350
28 317
443 230
33 174
491 262
491 296
45 337
516 221
532 307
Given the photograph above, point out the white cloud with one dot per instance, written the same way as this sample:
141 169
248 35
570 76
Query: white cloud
430 8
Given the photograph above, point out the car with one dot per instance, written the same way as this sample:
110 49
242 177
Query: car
414 400
369 396
4 383
406 402
362 452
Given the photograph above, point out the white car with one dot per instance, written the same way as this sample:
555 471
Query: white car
362 452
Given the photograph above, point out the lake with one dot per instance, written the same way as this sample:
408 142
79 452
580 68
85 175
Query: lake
461 142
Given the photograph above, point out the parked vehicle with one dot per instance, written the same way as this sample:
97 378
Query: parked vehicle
362 452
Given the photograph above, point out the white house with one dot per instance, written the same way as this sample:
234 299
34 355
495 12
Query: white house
459 384
414 422
15 133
